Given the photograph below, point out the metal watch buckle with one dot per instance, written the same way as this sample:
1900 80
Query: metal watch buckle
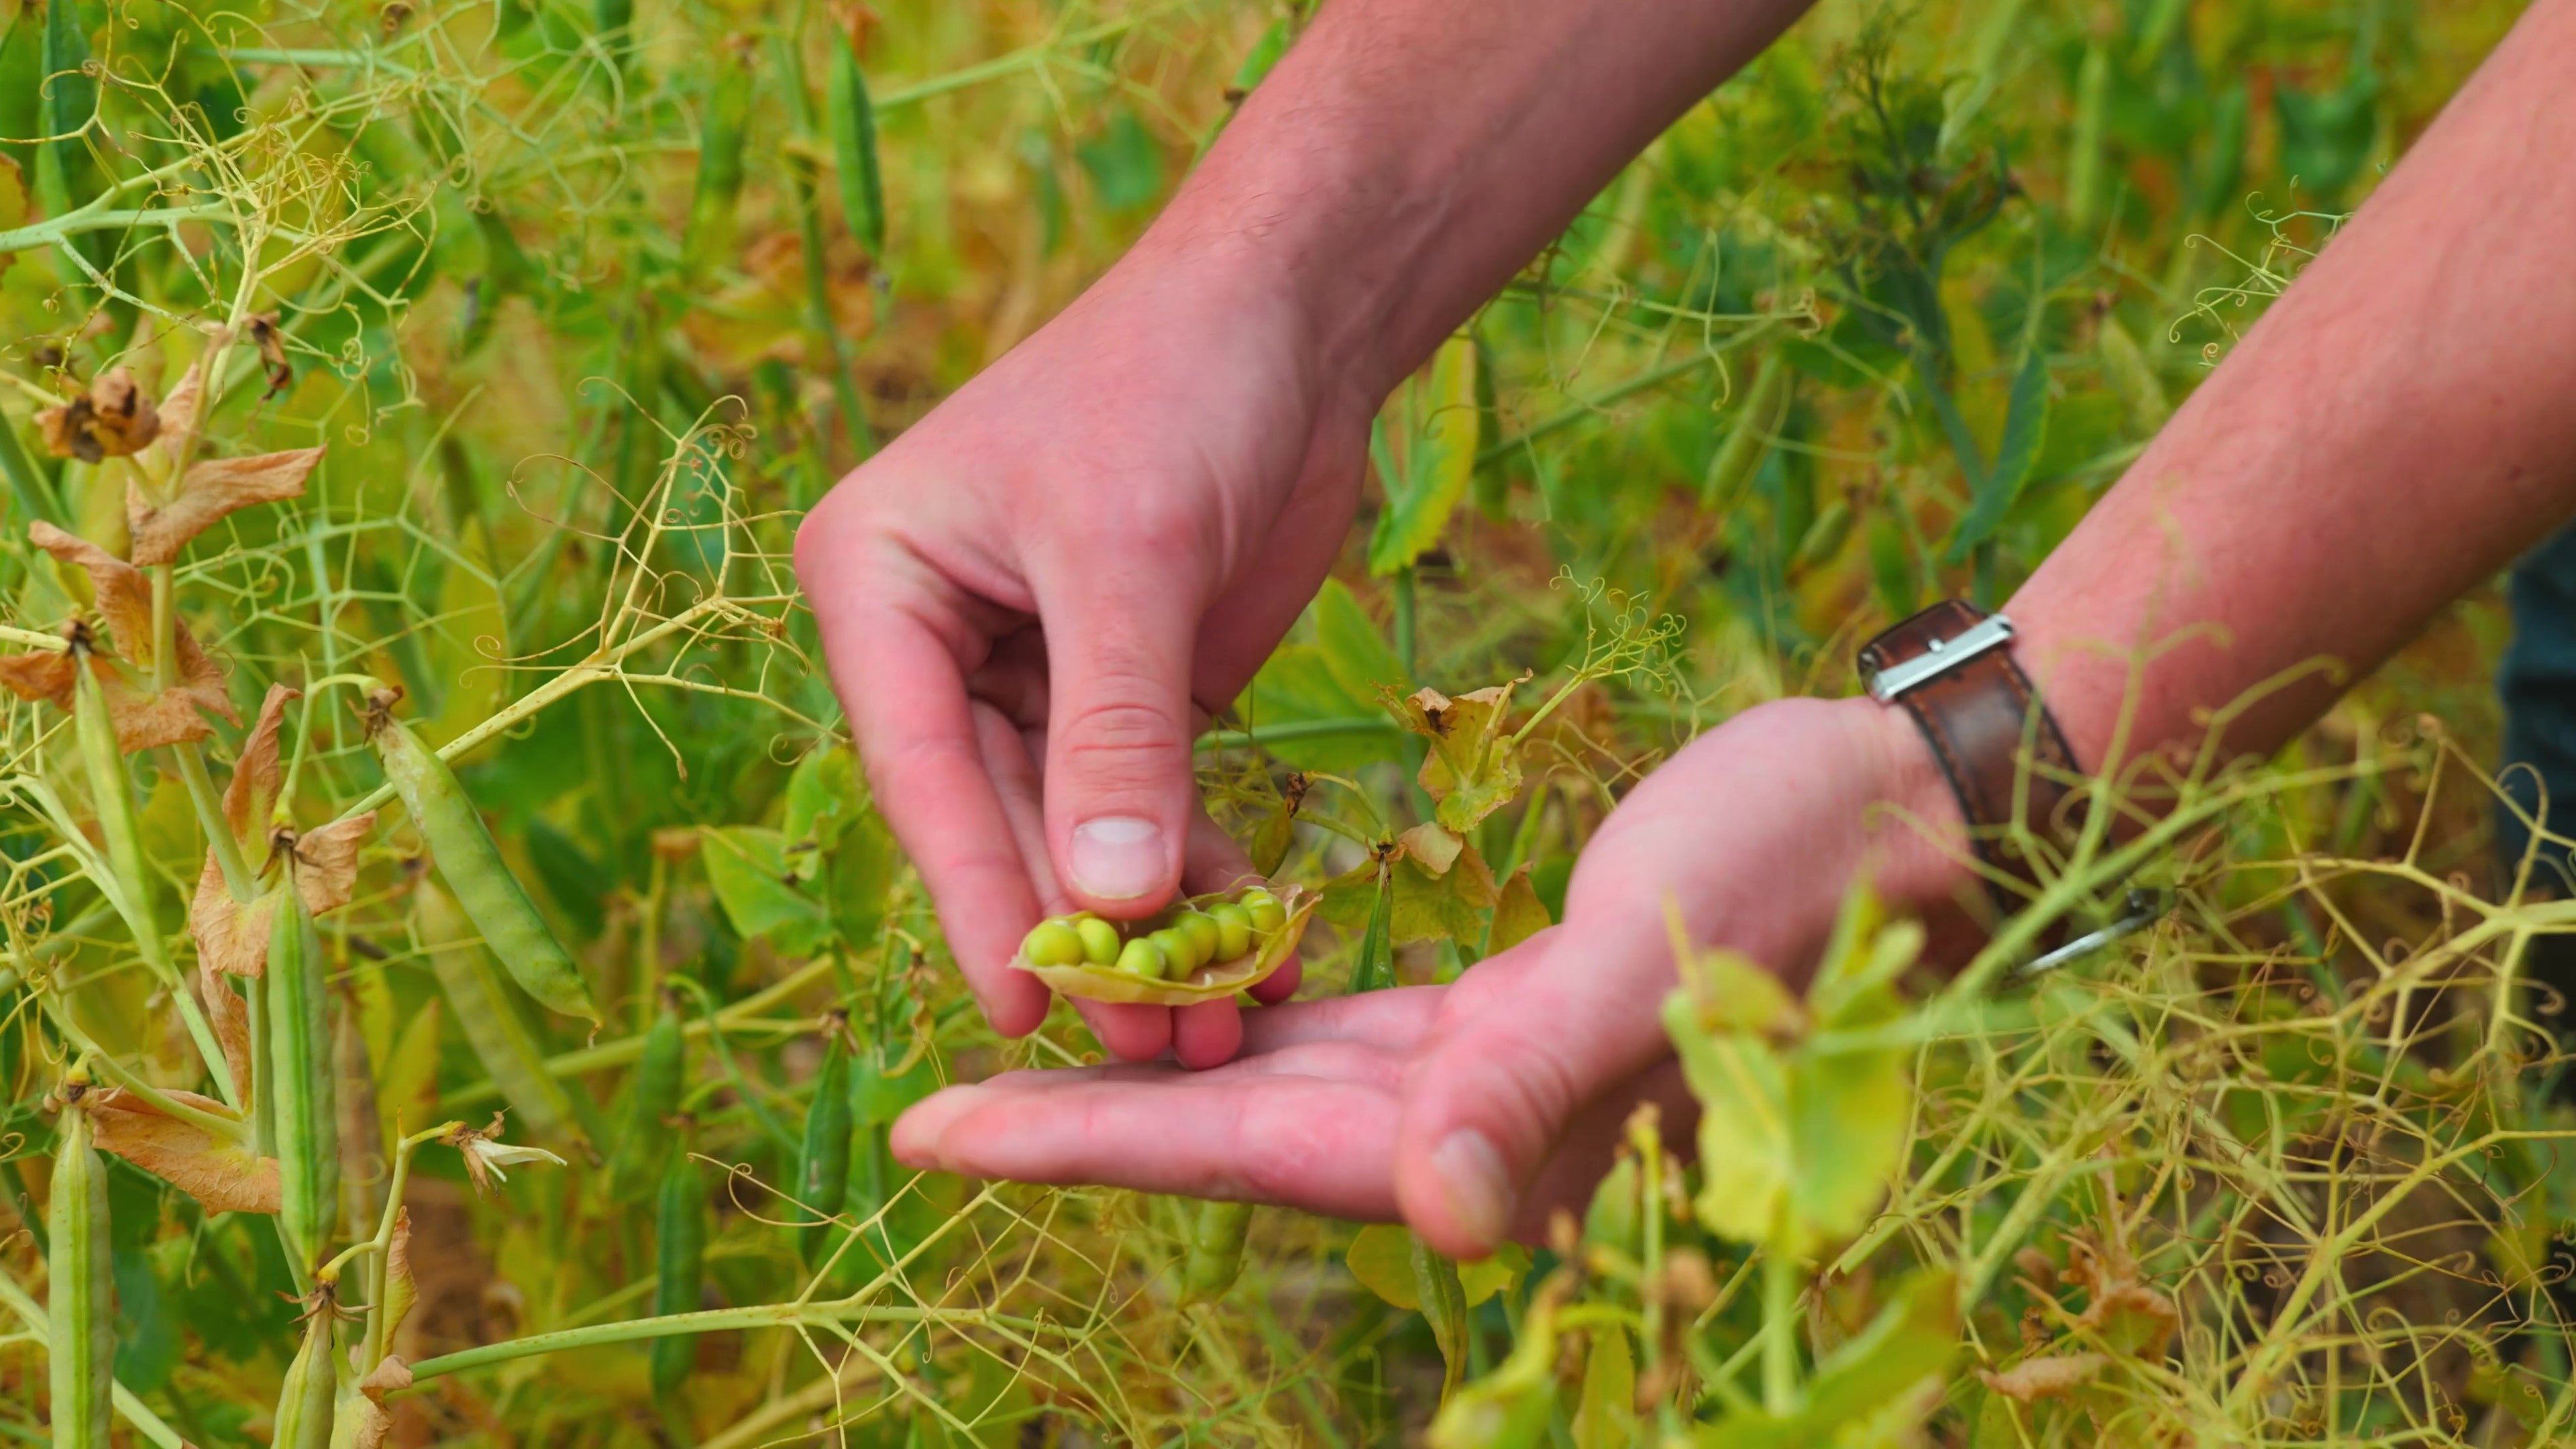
1940 657
2143 908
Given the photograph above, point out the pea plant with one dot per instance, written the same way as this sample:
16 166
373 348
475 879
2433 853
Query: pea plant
457 990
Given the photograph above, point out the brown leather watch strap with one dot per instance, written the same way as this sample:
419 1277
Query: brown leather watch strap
1951 667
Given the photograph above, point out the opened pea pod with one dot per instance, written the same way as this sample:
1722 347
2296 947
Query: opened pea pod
1204 948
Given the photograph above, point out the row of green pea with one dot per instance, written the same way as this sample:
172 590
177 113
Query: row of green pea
1167 947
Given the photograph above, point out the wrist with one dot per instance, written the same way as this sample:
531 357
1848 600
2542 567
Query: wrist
1923 854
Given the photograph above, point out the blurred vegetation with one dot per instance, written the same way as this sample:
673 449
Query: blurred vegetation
586 303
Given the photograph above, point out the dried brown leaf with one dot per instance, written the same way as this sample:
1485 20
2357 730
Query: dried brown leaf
125 601
65 428
252 791
400 1290
226 1011
148 721
124 594
364 1420
212 489
39 674
122 416
219 1172
2044 1377
231 936
326 862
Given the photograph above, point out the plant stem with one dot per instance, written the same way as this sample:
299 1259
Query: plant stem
1404 622
238 877
1780 1285
40 1328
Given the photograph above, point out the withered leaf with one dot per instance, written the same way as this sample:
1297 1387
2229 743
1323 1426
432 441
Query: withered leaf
39 674
2044 1377
212 489
252 791
400 1290
143 720
115 419
231 936
217 1171
326 862
227 1012
364 1421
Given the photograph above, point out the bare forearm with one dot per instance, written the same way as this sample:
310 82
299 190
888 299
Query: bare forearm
1408 155
2399 426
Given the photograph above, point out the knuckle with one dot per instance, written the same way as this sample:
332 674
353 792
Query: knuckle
1122 739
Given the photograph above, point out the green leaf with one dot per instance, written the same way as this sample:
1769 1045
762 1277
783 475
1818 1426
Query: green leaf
747 866
1444 1307
822 800
2326 138
858 877
2025 421
1877 1389
1125 163
1606 1418
1355 651
1424 483
1264 54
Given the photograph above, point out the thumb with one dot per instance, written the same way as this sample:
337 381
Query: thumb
1119 791
1536 1042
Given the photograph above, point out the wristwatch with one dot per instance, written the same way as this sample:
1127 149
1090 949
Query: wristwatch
1951 668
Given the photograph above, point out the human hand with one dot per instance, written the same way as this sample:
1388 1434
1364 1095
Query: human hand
1471 1110
1053 577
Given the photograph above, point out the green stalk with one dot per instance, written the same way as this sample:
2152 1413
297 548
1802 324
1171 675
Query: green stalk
1780 1284
809 229
238 878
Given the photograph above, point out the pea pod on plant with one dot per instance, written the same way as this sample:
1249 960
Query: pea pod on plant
681 1222
304 1401
1060 952
471 863
1216 1250
305 1115
823 1160
661 1074
81 1291
502 1042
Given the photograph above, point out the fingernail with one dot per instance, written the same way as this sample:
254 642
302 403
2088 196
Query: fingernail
1471 1176
1118 858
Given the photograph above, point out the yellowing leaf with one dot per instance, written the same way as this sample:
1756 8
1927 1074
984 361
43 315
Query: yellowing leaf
219 1172
1744 1148
1436 418
1381 1258
1473 768
1518 914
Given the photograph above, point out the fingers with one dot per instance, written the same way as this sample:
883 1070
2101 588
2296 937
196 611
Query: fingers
1513 1059
1322 1145
1119 793
907 707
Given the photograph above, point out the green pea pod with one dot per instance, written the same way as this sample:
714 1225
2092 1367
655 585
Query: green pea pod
307 1107
682 1218
853 120
304 1407
661 1074
81 1306
720 142
472 865
1216 1250
501 1041
823 1161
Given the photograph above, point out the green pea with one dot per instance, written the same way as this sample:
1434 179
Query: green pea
1053 943
1233 930
1205 935
1100 943
1177 948
1264 908
1142 957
